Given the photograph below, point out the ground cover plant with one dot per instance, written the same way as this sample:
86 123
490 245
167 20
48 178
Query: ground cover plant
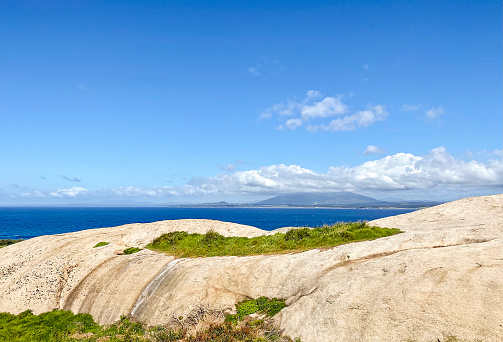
262 305
102 243
183 244
131 250
64 326
7 242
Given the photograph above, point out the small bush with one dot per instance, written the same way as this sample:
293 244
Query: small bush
131 250
297 234
102 243
7 242
171 238
212 238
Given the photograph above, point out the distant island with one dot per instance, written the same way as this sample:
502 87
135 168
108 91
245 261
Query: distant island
343 200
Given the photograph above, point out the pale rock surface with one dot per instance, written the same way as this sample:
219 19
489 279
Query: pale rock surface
443 275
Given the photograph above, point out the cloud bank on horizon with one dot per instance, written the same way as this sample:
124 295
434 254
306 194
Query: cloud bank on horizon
401 171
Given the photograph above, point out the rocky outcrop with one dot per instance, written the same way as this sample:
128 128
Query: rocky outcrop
443 275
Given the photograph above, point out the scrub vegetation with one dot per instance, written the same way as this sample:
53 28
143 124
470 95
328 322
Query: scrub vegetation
7 242
182 244
102 243
201 324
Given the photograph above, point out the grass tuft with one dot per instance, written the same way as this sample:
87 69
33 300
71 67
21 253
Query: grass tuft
262 305
131 250
183 244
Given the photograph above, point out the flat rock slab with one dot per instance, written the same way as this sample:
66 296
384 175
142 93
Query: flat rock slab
443 276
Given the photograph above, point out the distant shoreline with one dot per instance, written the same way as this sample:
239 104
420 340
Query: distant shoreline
195 206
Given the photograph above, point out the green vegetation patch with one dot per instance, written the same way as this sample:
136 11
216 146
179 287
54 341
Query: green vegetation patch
49 326
7 242
131 250
183 244
64 326
262 305
102 243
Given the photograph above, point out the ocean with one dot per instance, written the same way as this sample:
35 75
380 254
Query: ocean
25 223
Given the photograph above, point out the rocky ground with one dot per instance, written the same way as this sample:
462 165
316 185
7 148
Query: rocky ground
443 276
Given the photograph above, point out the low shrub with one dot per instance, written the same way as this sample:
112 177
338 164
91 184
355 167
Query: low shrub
64 326
102 243
297 234
7 242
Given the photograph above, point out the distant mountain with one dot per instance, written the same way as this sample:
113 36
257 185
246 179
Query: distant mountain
216 203
322 198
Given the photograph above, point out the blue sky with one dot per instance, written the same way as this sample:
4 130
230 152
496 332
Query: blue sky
200 101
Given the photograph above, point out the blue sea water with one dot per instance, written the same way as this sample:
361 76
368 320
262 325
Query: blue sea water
25 223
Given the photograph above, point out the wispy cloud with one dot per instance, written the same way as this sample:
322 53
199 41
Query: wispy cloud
266 65
231 167
434 113
315 108
350 122
74 179
254 71
410 107
371 149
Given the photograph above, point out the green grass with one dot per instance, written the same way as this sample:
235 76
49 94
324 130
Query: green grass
102 243
262 305
131 250
7 242
49 326
64 326
183 244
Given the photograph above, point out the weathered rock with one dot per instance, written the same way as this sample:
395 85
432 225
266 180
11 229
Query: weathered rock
443 275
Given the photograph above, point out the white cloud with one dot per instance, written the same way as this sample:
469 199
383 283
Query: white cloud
293 123
396 172
316 108
434 113
371 149
282 109
401 171
350 122
71 192
410 108
266 66
314 94
329 106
